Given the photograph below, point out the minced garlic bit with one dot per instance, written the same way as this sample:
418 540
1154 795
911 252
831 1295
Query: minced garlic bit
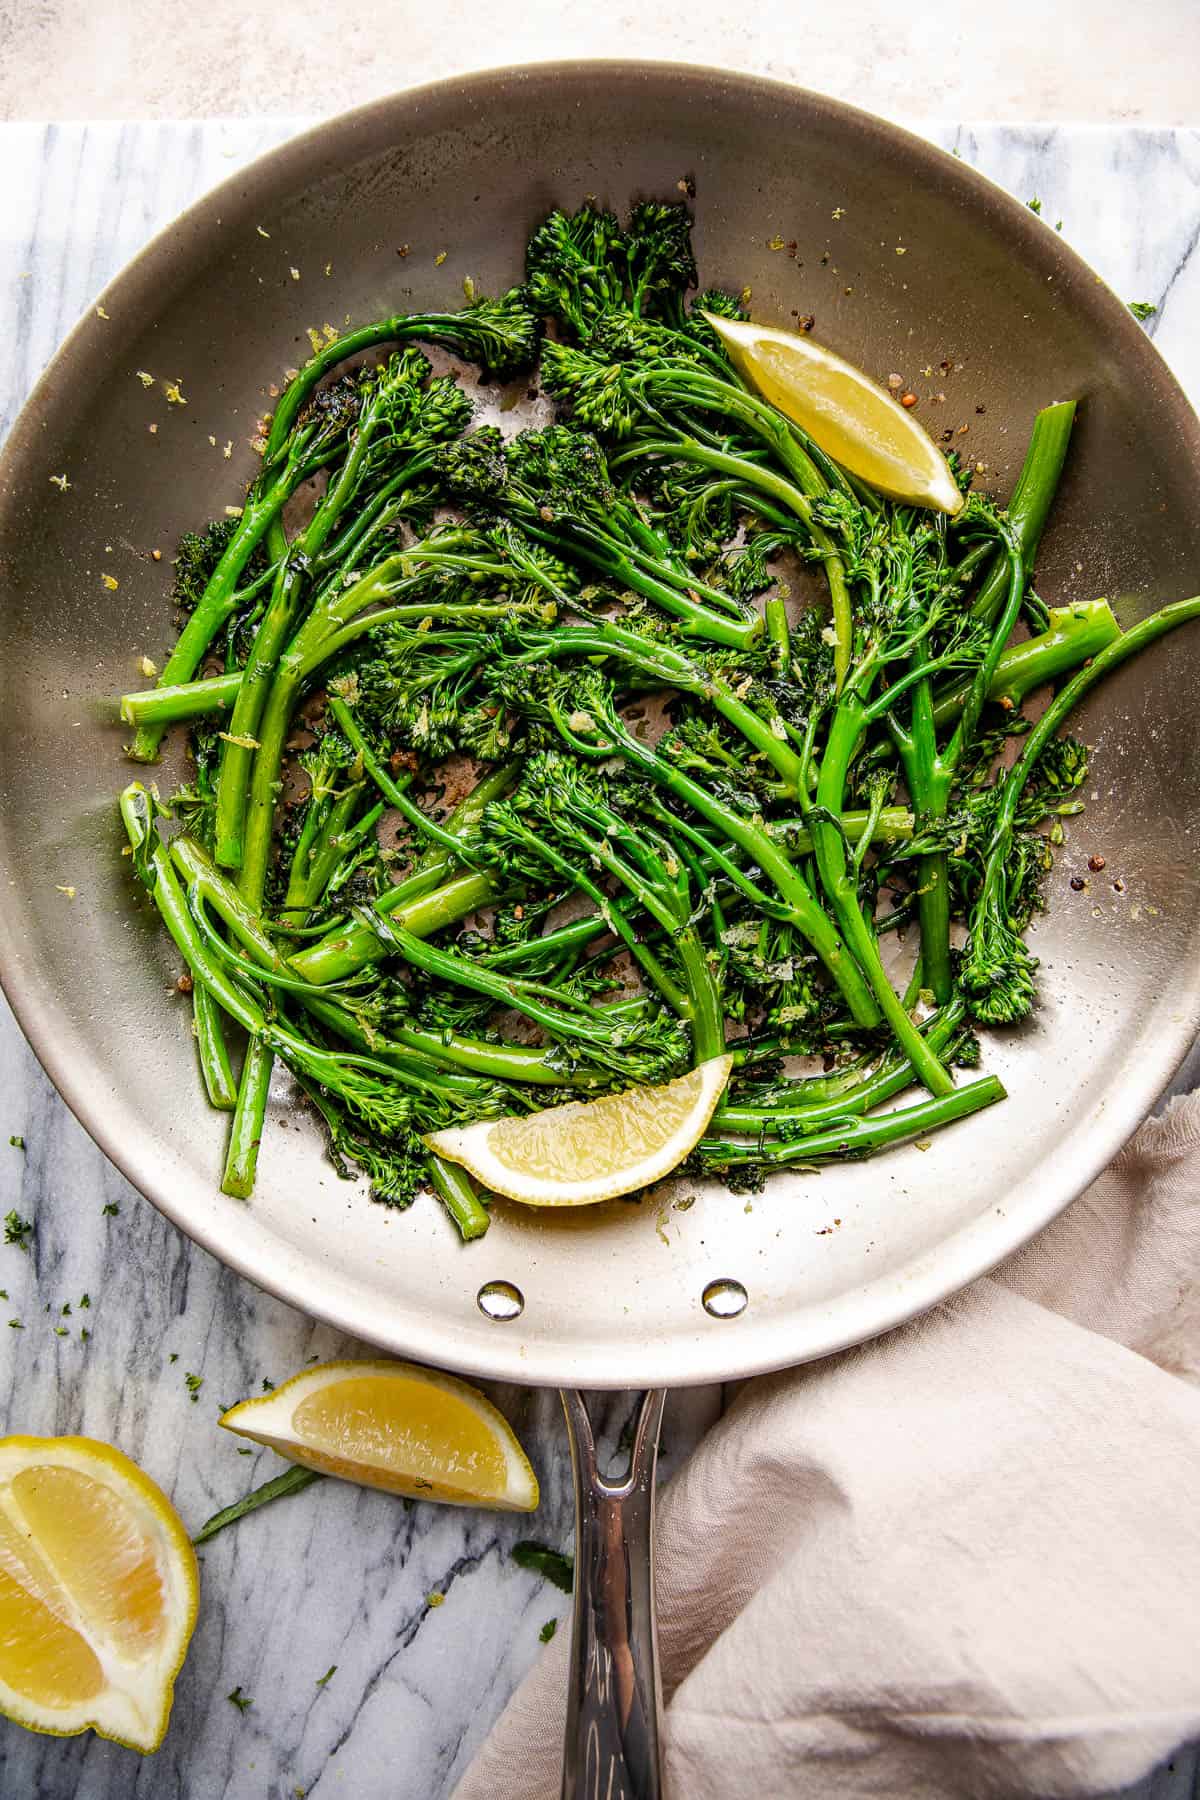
468 289
110 582
440 258
156 555
68 891
744 296
329 268
295 274
314 338
145 377
227 449
153 430
775 243
149 669
901 250
261 232
100 313
60 482
174 392
212 440
241 739
233 512
839 212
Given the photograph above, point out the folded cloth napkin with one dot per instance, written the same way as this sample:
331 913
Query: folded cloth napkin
961 1561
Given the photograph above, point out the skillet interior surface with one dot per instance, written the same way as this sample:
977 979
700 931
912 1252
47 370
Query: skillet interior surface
909 261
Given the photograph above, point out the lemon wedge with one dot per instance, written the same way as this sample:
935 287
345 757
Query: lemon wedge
98 1591
854 421
394 1426
589 1150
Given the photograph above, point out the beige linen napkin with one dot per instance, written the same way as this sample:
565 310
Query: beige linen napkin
961 1561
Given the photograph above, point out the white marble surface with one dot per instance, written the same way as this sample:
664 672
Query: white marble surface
336 1575
134 59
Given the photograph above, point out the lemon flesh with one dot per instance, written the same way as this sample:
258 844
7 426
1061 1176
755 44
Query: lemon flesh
394 1426
843 411
590 1150
98 1591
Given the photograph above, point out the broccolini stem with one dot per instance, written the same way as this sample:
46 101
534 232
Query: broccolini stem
1074 634
502 1061
189 700
654 582
241 1158
894 825
855 1137
336 839
1032 498
1180 612
392 791
809 1112
778 633
433 1050
379 583
213 1051
466 816
353 946
802 907
688 388
841 886
796 496
456 1191
260 519
666 664
275 628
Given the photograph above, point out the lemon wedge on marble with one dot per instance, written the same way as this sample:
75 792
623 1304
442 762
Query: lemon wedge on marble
589 1150
98 1591
843 411
393 1425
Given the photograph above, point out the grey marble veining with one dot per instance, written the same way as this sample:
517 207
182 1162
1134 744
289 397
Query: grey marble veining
338 1575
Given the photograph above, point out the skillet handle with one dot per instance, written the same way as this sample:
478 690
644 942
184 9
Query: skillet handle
611 1747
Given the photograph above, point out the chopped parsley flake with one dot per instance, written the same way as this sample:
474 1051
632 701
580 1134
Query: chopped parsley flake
194 1383
541 1560
1142 310
17 1230
548 1630
327 1677
242 1701
18 1143
110 1210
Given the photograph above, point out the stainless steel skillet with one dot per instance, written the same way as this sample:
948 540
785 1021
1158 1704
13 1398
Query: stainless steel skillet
465 168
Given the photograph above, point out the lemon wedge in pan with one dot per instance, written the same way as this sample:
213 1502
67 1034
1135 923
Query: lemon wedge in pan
589 1150
854 421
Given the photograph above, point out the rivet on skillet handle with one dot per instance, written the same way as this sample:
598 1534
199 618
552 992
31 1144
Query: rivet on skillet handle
615 1694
